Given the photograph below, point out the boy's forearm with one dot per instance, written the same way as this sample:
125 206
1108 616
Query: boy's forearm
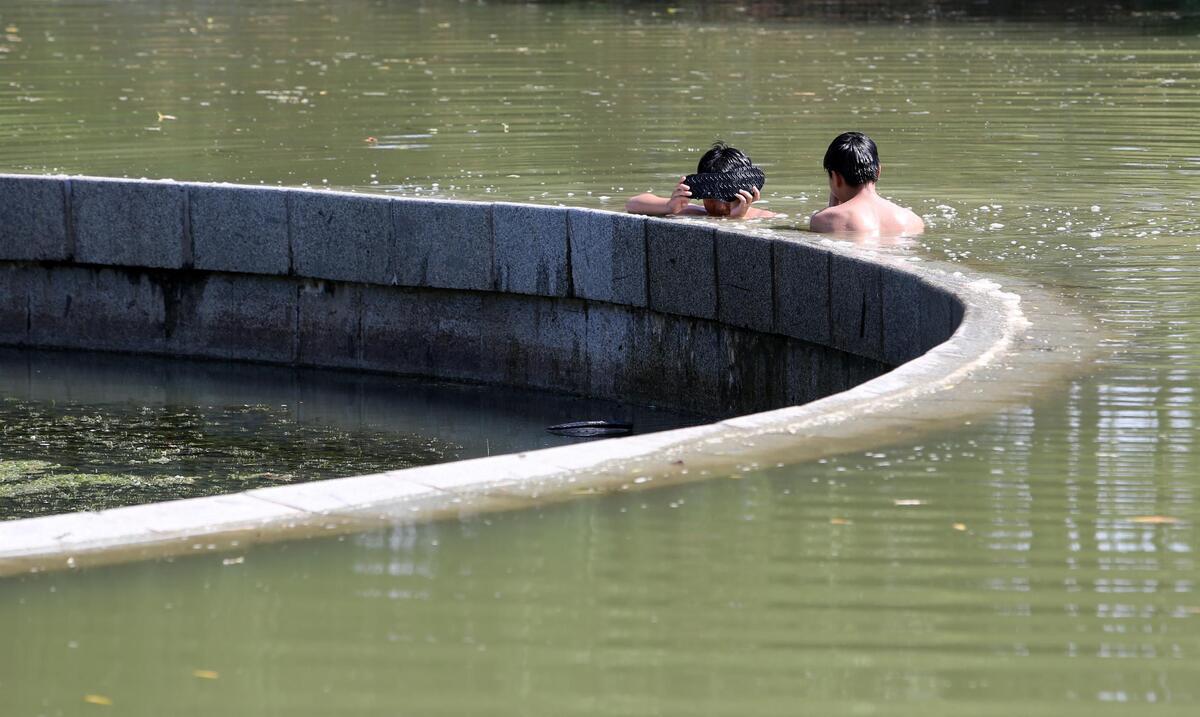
648 204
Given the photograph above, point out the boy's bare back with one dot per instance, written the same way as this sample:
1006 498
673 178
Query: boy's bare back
852 162
867 213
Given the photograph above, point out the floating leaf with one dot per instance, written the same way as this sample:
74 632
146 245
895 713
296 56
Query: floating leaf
1155 519
960 526
97 700
206 674
839 521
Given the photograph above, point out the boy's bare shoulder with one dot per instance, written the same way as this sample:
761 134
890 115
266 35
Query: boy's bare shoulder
829 219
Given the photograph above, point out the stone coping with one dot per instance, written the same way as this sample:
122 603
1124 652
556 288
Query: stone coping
861 302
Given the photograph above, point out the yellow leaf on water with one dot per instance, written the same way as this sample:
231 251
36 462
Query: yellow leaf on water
1155 520
960 526
206 674
838 521
97 700
162 117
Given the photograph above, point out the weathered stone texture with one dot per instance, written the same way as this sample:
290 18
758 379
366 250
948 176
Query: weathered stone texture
435 333
745 281
231 316
682 268
608 256
343 237
329 325
443 245
240 229
802 291
129 223
97 308
856 306
531 249
33 219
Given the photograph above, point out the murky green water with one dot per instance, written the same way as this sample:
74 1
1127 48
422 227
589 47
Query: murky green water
82 430
1038 561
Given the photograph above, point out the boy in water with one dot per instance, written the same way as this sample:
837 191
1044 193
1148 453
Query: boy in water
721 159
852 162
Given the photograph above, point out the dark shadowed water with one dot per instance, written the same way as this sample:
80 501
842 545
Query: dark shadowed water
1037 561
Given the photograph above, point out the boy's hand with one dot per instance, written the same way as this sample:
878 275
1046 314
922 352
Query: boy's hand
679 198
742 202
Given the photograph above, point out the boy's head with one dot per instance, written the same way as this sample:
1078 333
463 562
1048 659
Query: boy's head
721 158
853 156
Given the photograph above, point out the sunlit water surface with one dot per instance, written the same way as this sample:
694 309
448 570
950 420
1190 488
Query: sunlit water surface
1036 561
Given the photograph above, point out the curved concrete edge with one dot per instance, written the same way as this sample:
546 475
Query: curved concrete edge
968 375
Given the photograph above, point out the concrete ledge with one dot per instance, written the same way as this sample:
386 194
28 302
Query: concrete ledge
338 236
608 256
444 245
129 223
745 281
531 250
828 347
681 268
239 229
33 219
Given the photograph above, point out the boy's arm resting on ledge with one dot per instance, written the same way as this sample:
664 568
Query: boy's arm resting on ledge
656 206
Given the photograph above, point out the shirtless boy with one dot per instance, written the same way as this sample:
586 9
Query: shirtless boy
852 162
720 159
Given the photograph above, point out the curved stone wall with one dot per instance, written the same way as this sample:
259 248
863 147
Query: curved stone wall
700 315
692 315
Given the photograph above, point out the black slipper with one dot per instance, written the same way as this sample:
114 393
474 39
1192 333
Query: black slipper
725 185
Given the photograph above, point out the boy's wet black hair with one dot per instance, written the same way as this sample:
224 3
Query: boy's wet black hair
722 158
854 156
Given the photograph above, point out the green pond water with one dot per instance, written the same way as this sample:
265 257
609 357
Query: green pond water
1038 560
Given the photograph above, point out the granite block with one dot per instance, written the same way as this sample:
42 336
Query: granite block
129 223
814 372
957 312
537 343
675 362
801 274
229 316
446 245
531 249
609 349
14 304
433 333
682 268
240 229
33 219
341 237
902 316
856 306
608 256
938 322
754 371
97 308
745 281
329 326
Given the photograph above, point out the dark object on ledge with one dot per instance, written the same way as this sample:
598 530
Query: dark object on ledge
591 429
725 185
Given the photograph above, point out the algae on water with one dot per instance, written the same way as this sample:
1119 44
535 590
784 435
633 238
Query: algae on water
57 457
